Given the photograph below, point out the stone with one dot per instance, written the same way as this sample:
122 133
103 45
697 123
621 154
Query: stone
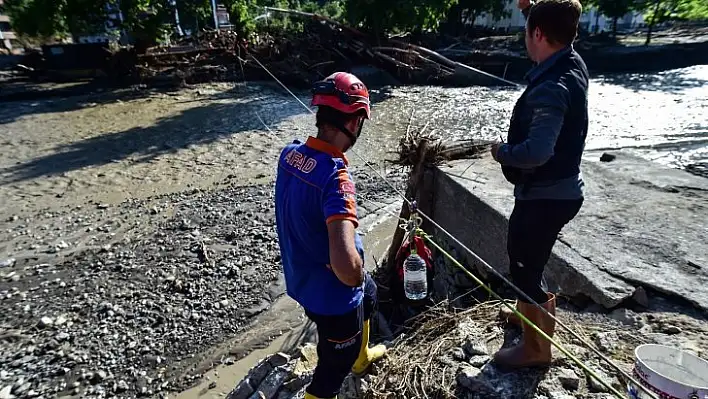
606 341
8 262
212 385
560 395
62 336
98 376
479 360
272 383
46 322
569 379
459 354
596 386
122 386
474 347
671 330
6 392
259 373
474 380
640 297
279 359
243 390
297 383
628 317
607 157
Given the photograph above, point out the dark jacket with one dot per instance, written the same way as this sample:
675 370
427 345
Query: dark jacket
549 124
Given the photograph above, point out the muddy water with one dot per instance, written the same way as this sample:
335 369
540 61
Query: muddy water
663 117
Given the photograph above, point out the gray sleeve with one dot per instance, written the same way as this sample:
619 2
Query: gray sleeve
549 102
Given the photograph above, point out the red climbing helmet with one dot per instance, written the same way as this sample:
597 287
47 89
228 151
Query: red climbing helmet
343 92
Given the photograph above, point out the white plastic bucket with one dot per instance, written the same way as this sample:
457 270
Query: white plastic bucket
670 373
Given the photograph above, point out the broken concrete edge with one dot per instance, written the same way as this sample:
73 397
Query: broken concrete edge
567 273
277 375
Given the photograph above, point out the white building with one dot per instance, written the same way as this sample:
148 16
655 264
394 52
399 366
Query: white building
590 20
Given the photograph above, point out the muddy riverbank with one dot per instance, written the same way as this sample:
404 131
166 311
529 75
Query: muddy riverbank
129 216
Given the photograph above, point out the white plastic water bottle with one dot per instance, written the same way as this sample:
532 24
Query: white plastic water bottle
415 278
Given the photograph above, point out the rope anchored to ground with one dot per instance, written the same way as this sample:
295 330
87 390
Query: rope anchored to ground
521 294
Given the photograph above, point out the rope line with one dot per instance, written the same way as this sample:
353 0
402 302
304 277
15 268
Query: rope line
521 293
523 318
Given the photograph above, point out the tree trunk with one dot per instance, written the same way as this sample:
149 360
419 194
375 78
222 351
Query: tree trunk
652 22
597 22
614 26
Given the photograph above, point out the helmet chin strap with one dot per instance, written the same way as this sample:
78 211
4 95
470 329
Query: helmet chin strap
351 135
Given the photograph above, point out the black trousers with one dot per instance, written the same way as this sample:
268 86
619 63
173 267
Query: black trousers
339 341
533 230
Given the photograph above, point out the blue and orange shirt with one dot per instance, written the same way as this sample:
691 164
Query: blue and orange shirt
313 188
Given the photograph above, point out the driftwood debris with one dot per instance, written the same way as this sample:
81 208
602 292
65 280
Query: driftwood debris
419 152
297 58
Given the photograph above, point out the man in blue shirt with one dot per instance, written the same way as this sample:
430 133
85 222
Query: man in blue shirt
322 255
546 139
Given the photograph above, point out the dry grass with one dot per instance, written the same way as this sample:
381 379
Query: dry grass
437 151
413 368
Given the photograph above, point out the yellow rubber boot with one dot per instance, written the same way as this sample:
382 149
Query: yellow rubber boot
367 355
310 396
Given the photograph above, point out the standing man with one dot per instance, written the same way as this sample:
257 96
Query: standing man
542 159
322 255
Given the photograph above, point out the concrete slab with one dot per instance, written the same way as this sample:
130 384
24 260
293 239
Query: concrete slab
642 225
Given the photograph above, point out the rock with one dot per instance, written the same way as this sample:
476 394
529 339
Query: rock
628 317
560 395
297 383
671 330
102 206
640 297
60 321
279 359
62 336
474 347
8 262
212 385
98 376
459 354
606 157
474 380
569 379
122 386
45 322
479 360
270 386
243 390
6 392
259 373
596 386
23 388
606 341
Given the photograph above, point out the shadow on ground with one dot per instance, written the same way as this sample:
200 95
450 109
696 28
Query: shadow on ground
200 125
195 126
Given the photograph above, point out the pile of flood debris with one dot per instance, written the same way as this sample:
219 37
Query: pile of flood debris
322 47
447 352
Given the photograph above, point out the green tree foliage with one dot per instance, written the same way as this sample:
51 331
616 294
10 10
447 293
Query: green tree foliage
469 10
659 11
615 9
55 18
381 16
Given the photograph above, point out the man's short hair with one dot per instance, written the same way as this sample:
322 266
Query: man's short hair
557 19
330 116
